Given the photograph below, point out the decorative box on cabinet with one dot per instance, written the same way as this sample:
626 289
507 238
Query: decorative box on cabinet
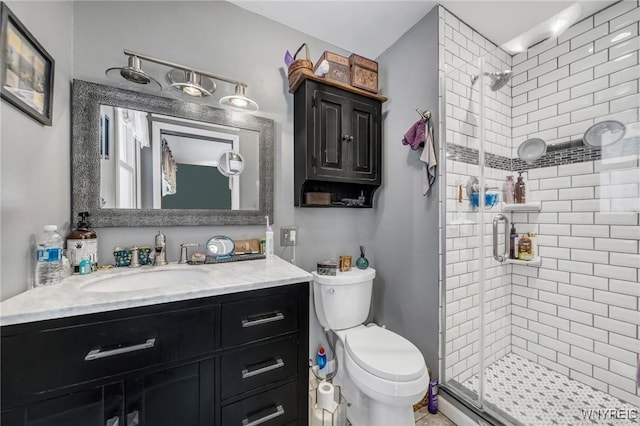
239 357
337 141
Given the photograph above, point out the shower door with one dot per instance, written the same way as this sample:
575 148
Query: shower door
475 288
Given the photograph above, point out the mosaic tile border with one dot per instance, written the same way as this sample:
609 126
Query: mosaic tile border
554 157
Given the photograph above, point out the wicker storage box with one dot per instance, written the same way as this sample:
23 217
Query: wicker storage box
300 66
364 73
338 67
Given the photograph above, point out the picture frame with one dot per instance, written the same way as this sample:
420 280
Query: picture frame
26 69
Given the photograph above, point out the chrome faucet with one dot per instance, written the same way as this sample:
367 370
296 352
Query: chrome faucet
160 250
184 258
135 258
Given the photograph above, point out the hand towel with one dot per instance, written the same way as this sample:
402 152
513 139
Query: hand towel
429 158
415 136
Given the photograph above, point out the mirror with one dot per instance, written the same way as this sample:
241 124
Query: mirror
230 163
145 160
220 245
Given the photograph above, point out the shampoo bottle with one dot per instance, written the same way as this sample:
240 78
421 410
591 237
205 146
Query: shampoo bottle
509 190
269 240
520 189
513 252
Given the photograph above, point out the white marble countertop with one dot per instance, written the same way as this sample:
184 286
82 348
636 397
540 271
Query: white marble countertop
74 297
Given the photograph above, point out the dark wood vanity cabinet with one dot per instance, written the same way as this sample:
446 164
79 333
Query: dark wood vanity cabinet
220 360
337 142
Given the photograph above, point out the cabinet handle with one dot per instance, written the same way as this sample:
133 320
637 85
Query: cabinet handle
279 412
133 418
250 323
113 421
98 353
278 364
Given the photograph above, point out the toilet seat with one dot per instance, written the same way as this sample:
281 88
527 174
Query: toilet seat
385 354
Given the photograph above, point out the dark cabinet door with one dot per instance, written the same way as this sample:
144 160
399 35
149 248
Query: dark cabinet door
329 157
176 396
346 139
99 406
363 141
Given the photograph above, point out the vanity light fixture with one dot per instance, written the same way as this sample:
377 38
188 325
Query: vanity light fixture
238 101
187 81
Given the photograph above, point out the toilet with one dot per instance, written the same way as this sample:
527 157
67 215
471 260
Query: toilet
381 373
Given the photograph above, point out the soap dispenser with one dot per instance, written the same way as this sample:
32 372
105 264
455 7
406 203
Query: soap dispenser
82 244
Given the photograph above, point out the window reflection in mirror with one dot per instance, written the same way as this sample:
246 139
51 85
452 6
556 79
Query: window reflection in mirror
153 161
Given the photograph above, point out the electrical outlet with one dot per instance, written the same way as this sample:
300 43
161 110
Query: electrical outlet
286 238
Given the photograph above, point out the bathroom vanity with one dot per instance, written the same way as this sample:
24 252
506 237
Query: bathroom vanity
229 347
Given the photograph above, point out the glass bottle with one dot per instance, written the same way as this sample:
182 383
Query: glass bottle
362 262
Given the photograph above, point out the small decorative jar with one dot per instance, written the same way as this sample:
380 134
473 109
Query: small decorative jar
362 262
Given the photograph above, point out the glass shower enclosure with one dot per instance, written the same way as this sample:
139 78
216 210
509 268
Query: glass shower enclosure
550 336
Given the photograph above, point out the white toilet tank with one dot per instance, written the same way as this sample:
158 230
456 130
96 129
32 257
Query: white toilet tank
343 301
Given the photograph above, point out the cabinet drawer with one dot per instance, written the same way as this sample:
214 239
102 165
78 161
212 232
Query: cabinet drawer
276 407
57 357
256 319
258 366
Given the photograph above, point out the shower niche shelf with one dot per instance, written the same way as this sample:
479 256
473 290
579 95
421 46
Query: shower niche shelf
535 262
534 206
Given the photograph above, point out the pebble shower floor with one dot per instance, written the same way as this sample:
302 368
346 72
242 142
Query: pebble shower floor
538 396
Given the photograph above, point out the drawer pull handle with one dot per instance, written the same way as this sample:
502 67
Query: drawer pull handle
98 353
250 323
278 364
279 412
113 421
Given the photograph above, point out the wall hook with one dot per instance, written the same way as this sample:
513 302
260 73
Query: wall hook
426 114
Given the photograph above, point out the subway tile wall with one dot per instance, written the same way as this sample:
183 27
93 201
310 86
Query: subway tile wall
579 312
589 74
458 45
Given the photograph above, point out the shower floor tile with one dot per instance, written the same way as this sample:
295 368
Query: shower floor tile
536 395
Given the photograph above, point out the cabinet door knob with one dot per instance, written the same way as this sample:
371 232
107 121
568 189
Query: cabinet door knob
350 139
345 137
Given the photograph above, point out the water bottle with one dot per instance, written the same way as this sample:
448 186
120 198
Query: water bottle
49 266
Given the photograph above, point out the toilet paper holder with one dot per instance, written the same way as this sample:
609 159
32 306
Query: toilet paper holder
336 415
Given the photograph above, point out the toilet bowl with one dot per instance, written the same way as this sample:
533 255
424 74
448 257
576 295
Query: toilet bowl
381 373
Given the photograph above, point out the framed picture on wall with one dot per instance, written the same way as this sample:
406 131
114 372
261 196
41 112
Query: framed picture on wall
26 69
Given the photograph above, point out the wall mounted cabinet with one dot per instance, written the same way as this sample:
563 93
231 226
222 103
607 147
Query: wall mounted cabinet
233 359
337 142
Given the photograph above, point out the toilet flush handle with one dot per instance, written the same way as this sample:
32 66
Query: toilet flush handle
331 290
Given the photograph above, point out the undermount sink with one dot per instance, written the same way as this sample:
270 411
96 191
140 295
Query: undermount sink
144 280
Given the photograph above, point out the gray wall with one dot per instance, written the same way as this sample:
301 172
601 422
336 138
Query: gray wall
406 223
35 173
199 34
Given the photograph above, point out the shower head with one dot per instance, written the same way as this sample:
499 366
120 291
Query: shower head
498 79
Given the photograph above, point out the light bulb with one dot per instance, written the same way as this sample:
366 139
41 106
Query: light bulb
191 91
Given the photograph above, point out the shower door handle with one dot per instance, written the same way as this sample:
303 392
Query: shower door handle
496 219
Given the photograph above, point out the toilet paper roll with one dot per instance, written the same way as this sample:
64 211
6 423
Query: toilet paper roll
325 393
325 417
